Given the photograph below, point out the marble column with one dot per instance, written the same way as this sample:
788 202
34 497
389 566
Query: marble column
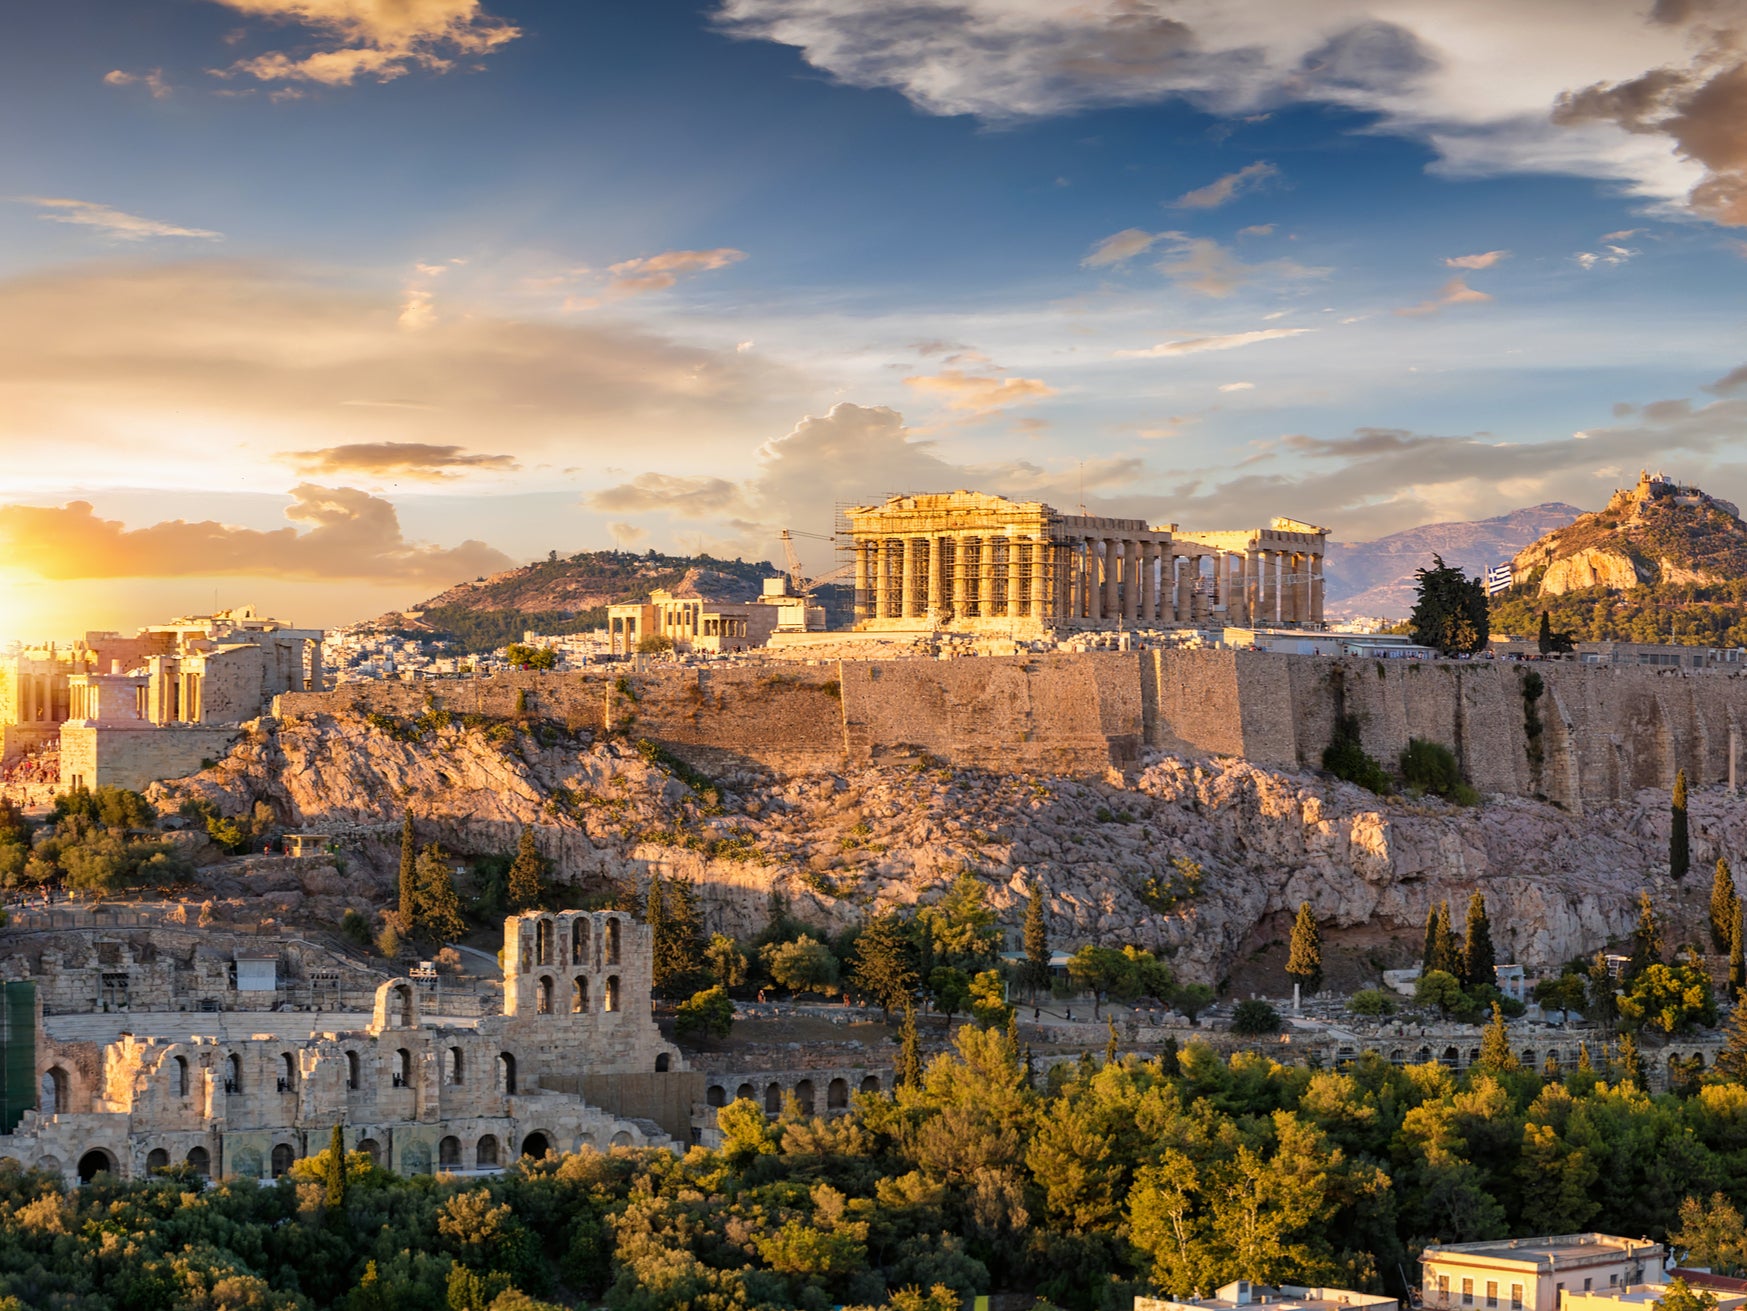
1185 609
1131 551
863 584
882 578
907 594
1112 607
1015 584
1316 589
960 576
1040 575
985 577
1270 588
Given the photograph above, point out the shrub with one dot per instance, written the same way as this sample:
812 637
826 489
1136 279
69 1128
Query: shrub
1254 1016
1431 767
1372 1001
1345 758
355 928
708 1014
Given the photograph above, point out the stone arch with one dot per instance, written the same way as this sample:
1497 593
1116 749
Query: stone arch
613 940
402 1068
352 1071
506 1072
1451 1057
457 1066
773 1099
621 1139
837 1095
715 1095
579 995
1425 1056
536 1145
579 943
287 1072
56 1091
1397 1056
485 1154
157 1159
1473 1056
662 1062
371 1148
95 1162
610 997
449 1153
1527 1058
745 1092
201 1160
280 1162
233 1073
543 998
543 938
870 1083
49 1164
179 1076
804 1095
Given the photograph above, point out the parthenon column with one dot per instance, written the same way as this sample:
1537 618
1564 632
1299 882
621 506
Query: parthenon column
863 596
960 576
1015 588
882 578
1252 581
1131 581
934 580
1184 610
1112 606
1040 574
1291 579
1316 588
1270 588
985 577
907 585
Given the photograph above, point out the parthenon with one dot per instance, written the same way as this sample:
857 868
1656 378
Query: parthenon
971 561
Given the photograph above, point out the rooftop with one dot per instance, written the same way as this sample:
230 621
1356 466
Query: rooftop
1550 1251
1287 1297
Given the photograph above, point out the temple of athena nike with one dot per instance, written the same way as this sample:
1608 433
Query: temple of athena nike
971 562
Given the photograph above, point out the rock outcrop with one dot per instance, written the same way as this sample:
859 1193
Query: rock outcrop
840 846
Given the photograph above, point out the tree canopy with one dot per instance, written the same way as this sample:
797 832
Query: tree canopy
1450 613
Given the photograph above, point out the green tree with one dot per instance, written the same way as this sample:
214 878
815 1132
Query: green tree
988 1000
707 1014
1668 998
526 873
1451 611
1101 971
1682 1296
725 961
1304 958
1648 947
1565 993
1190 999
1630 1061
1374 1002
1544 640
950 988
1441 989
408 904
1725 905
530 657
439 904
1495 1052
1679 844
1037 953
804 965
1479 961
881 967
909 1070
334 1193
1737 961
1731 1062
961 925
1253 1016
1712 1234
1443 947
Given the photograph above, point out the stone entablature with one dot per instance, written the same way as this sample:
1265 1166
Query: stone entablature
971 561
419 1094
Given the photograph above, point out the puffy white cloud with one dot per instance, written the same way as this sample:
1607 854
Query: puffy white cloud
1484 260
1197 345
383 39
1454 292
112 222
1227 188
1476 80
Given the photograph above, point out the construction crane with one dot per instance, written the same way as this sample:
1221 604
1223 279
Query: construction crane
797 575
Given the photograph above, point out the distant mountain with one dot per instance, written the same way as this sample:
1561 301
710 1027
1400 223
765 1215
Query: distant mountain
1376 577
1661 561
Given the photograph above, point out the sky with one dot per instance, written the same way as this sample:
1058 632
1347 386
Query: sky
325 305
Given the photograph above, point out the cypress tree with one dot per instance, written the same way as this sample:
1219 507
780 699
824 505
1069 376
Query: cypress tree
1725 905
336 1170
1110 1043
1647 945
1731 1062
439 904
1304 960
409 884
1631 1063
525 874
1545 639
655 916
685 937
909 1072
1479 961
1495 1052
1737 963
1445 949
1036 941
1679 846
1583 1063
1431 940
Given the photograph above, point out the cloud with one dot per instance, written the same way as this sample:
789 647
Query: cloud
1197 345
1257 230
687 497
382 39
1237 386
627 534
1484 260
1202 265
412 459
1227 188
1607 257
152 80
1733 381
1476 81
347 534
979 395
1454 292
111 222
1624 234
1120 247
633 277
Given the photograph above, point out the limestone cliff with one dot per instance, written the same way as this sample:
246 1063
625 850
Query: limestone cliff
843 844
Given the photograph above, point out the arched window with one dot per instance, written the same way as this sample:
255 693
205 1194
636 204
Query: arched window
744 1092
201 1160
352 1071
457 1069
281 1159
579 996
233 1073
543 1005
543 943
95 1162
804 1095
449 1153
485 1155
402 1068
506 1069
773 1099
662 1061
610 997
287 1072
400 1006
716 1095
54 1092
370 1148
612 942
157 1159
536 1145
178 1080
579 942
837 1095
871 1084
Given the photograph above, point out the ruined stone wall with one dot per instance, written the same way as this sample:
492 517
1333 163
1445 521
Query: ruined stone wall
134 757
1605 731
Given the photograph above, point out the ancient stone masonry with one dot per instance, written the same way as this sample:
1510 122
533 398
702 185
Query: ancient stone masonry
418 1095
967 561
1606 731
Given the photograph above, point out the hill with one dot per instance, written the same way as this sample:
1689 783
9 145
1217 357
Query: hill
1661 562
571 594
1376 577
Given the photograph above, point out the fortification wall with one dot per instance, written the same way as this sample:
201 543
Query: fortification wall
96 756
1603 732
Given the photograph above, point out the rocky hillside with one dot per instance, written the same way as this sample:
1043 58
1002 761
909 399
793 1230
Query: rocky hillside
1376 577
1117 857
1660 560
571 594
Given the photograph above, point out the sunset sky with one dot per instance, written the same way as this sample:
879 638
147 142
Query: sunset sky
326 304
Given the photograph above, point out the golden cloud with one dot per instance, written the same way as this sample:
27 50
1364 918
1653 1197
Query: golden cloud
979 395
1454 292
411 459
632 277
384 39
